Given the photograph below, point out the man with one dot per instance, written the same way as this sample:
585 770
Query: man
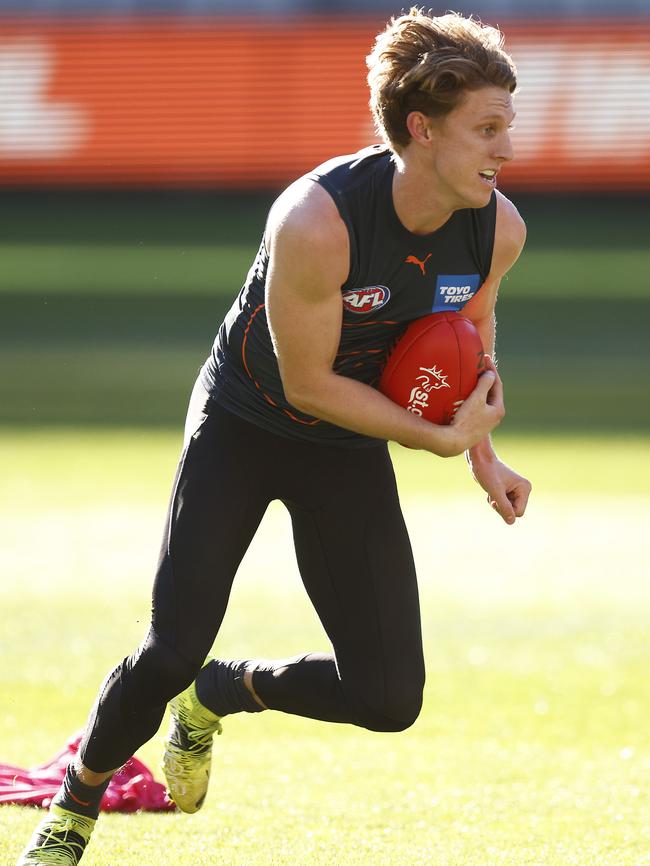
285 408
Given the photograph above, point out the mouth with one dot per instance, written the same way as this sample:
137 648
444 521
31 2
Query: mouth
489 176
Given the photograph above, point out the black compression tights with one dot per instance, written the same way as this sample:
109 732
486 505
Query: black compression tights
354 557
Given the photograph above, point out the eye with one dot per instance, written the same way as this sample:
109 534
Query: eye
488 130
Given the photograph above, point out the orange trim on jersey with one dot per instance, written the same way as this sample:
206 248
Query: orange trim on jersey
360 352
268 399
368 324
300 421
243 345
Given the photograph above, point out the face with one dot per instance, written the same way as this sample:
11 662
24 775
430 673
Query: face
470 145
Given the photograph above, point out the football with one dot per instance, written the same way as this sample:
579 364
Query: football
434 366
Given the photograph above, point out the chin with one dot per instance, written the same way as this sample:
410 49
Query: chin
480 197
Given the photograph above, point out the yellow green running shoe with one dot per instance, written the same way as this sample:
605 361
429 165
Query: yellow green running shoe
188 750
59 840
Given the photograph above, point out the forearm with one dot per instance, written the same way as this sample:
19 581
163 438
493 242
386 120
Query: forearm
483 451
486 328
361 408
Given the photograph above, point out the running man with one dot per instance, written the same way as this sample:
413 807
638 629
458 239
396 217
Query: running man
285 409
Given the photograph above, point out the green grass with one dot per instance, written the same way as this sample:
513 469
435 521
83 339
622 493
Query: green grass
183 243
114 359
53 268
109 304
533 746
47 269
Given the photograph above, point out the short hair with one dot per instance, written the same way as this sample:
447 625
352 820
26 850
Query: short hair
426 63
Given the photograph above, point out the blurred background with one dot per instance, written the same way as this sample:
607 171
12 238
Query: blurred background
142 141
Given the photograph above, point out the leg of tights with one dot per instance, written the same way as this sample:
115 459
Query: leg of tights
214 512
356 562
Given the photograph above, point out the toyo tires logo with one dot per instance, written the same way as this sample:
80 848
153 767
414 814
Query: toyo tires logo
367 299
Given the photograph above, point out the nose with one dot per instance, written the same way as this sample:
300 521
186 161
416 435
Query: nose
504 149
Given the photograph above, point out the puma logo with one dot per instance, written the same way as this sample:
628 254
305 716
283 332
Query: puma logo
413 260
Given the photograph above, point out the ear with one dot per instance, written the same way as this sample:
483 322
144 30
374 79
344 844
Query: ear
420 128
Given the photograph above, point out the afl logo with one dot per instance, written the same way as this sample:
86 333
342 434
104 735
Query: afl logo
365 300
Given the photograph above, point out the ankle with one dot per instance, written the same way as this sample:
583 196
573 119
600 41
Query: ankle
248 682
221 687
89 777
79 797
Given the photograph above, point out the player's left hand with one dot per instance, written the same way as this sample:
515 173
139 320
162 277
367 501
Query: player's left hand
507 491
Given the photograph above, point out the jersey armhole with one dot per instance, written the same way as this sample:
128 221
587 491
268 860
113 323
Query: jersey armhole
490 233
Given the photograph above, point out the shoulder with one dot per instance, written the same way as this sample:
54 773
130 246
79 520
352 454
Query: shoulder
306 211
313 203
306 231
509 236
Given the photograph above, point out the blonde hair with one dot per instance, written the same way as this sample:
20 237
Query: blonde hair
425 63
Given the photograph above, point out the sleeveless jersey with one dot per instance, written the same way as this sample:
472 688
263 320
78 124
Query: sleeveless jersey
395 276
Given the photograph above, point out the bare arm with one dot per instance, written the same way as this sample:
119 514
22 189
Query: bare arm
507 491
309 260
510 236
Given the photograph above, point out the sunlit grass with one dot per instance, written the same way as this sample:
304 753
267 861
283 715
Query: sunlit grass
48 268
533 746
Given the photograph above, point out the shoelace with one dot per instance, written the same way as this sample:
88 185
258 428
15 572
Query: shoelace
55 842
201 739
57 857
67 824
185 758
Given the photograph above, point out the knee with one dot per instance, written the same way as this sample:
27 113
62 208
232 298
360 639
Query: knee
396 712
158 671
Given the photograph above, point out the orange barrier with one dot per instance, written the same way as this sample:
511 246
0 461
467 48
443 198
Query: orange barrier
243 103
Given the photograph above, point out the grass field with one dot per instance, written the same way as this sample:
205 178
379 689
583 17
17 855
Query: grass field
533 746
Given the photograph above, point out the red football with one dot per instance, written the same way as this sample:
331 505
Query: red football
434 366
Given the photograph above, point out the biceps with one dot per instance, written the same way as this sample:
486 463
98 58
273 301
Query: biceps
305 330
480 310
481 306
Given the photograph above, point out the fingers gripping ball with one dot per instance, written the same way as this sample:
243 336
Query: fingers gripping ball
434 366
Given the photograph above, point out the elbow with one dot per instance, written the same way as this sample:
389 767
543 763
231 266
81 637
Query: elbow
309 394
306 388
301 396
301 403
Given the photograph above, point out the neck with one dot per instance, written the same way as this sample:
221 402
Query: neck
420 207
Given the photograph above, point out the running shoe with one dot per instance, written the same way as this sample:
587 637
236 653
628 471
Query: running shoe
188 750
59 840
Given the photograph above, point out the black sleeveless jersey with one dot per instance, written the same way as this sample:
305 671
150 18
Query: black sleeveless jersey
395 277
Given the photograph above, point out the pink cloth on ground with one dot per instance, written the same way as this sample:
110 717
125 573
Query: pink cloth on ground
132 787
